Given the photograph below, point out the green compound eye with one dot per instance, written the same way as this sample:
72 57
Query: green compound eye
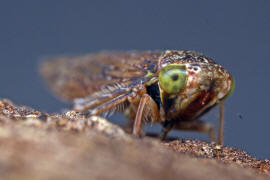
172 78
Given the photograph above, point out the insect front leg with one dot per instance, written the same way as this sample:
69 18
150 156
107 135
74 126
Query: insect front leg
147 109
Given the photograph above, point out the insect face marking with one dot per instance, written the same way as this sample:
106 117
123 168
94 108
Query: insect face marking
193 68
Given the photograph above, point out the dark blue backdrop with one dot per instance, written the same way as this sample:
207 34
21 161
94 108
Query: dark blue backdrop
234 33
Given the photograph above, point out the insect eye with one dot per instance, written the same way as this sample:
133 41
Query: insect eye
172 78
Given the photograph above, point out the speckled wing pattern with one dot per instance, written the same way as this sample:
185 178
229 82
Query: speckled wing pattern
79 76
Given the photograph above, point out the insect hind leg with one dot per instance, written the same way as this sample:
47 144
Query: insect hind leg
97 99
111 105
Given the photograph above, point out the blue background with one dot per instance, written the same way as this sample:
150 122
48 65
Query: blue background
234 33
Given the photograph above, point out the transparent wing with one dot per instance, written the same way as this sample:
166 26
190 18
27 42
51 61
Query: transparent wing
91 75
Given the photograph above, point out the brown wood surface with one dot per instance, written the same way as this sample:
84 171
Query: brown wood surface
35 145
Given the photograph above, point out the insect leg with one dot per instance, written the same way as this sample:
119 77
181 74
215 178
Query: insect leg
147 109
109 104
221 122
167 126
83 104
197 125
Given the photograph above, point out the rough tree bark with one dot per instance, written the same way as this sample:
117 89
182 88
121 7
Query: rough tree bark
36 145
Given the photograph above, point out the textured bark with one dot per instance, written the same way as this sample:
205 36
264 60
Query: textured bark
35 145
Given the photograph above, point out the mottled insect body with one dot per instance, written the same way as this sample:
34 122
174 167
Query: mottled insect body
173 88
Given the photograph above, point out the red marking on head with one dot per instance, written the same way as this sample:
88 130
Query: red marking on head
202 100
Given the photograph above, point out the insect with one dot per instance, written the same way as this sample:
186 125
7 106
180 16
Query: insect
174 88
